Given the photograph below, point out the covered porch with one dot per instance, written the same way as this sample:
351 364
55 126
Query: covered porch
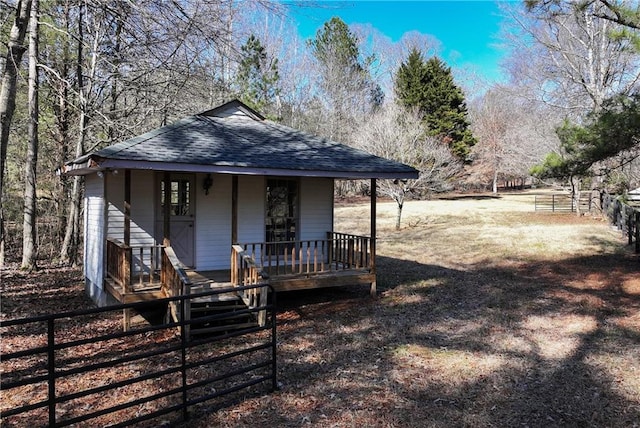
141 273
147 273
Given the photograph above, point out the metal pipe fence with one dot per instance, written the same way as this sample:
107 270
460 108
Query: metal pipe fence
80 369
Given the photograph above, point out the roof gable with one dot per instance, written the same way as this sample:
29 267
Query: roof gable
233 108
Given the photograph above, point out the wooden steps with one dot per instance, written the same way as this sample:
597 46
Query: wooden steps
229 311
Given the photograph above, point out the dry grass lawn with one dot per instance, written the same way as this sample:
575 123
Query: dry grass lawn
488 314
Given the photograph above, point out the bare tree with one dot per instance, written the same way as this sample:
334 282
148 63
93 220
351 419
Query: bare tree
513 135
29 229
15 50
394 133
565 50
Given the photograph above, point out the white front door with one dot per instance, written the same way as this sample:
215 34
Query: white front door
182 216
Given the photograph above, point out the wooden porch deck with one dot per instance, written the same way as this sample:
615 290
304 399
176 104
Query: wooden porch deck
288 281
143 290
141 274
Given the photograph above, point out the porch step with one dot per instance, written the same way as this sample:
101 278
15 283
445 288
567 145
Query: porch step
217 308
227 309
204 287
223 328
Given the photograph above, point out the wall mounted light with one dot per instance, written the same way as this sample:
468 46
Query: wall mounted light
207 183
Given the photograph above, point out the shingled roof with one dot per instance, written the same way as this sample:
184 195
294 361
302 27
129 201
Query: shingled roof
234 139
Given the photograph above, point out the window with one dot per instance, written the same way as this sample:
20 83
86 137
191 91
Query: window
180 196
282 211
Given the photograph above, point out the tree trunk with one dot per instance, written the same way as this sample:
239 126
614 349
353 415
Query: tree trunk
575 193
62 111
29 229
399 215
494 186
15 50
69 249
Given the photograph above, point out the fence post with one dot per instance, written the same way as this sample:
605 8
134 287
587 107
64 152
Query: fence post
630 227
637 227
183 363
51 371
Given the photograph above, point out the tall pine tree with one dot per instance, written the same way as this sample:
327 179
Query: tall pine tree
258 77
345 77
428 86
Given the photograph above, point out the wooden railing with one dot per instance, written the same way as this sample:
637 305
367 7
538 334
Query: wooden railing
175 282
119 263
349 251
340 251
126 262
245 271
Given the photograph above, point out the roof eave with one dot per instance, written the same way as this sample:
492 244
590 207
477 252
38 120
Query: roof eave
92 166
82 166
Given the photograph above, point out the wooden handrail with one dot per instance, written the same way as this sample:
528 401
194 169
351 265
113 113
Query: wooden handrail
175 282
245 271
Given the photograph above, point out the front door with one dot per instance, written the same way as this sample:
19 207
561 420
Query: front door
182 216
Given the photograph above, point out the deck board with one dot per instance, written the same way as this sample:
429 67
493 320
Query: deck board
202 281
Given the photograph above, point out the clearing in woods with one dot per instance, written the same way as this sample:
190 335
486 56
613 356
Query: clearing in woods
489 314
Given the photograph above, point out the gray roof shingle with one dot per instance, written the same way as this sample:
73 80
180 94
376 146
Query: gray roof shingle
244 142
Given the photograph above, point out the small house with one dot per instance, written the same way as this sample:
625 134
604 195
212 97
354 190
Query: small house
196 199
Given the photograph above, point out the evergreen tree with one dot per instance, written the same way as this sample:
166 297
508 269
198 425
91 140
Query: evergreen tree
409 82
428 87
258 77
345 77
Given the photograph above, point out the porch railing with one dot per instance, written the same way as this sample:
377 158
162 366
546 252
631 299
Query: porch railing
126 263
245 272
340 251
175 282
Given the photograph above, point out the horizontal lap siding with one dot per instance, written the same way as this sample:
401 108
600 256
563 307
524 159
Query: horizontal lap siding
142 207
251 209
115 205
316 208
94 236
213 223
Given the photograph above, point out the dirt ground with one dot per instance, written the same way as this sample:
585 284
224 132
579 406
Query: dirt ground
488 314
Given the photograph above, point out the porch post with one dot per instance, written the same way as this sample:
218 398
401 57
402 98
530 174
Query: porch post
166 225
234 210
127 207
373 236
126 313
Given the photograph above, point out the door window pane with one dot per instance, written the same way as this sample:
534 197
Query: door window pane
180 197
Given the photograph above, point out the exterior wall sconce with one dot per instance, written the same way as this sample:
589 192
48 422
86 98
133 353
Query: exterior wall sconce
207 183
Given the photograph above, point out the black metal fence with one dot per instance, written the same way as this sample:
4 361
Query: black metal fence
79 368
624 216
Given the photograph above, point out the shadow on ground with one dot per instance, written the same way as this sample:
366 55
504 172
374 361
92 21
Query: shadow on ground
552 343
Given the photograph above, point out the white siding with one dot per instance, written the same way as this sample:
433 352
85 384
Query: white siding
251 200
142 208
213 224
316 208
143 205
114 184
213 219
94 239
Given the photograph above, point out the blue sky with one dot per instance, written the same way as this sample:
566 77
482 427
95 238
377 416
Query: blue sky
467 29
